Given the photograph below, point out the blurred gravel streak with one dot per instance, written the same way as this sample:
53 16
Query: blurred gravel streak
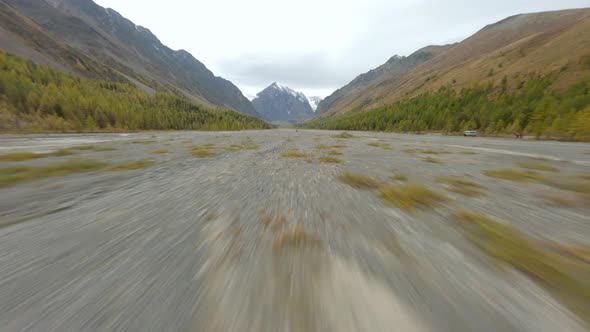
251 241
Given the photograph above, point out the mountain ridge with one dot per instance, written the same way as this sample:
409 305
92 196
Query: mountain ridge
281 104
131 51
393 69
513 47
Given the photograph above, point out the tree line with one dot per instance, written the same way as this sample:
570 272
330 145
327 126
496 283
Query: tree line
37 97
529 107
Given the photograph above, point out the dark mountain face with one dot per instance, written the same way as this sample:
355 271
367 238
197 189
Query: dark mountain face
281 104
392 70
133 51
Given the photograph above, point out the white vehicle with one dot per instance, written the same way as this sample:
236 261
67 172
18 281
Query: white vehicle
470 133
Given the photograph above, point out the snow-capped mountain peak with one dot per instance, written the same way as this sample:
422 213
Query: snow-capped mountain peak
286 89
279 103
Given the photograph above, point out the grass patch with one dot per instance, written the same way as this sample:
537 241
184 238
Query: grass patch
92 148
562 275
576 251
461 186
513 175
399 177
541 158
243 145
293 237
344 135
144 142
468 152
329 160
201 152
285 235
569 184
409 197
162 151
339 146
61 153
334 153
131 165
188 141
275 223
410 151
230 148
537 167
19 174
248 145
293 153
83 147
358 181
380 145
322 147
435 152
104 149
432 160
24 156
566 200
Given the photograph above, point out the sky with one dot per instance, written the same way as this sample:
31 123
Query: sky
313 46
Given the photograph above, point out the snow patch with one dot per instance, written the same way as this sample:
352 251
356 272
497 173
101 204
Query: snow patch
314 102
283 88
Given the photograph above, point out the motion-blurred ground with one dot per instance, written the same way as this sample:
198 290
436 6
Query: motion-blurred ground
292 231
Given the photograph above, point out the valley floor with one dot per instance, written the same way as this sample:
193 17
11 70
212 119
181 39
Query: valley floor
259 231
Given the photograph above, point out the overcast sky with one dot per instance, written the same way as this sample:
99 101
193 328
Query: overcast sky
314 46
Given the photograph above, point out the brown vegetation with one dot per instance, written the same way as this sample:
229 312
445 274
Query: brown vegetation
329 160
24 156
409 197
131 165
461 186
19 174
537 167
563 275
358 181
513 175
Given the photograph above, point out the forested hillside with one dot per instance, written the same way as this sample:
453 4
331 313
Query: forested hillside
36 97
524 105
81 37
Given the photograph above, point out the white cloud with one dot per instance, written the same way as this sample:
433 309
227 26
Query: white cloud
313 45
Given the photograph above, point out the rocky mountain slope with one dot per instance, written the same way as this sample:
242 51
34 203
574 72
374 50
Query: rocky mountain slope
278 103
81 37
520 45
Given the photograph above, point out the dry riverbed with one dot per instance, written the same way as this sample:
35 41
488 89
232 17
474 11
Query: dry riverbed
285 230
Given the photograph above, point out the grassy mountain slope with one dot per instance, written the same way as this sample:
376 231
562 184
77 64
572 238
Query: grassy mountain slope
40 98
539 43
131 51
394 69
